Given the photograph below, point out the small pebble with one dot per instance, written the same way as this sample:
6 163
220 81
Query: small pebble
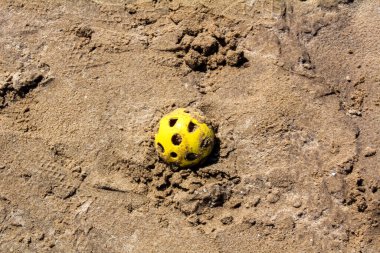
227 220
297 204
234 203
41 236
273 198
256 201
369 151
234 58
250 221
354 112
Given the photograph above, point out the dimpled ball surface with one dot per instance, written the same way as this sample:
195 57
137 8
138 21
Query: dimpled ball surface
183 138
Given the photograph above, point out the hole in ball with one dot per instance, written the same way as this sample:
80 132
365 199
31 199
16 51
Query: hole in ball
173 154
191 156
206 143
191 127
176 139
160 148
172 122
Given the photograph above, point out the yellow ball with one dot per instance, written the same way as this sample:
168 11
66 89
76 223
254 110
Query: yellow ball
183 138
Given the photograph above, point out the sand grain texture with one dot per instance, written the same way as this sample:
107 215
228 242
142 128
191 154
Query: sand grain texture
292 87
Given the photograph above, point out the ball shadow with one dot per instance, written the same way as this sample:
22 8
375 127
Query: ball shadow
213 157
